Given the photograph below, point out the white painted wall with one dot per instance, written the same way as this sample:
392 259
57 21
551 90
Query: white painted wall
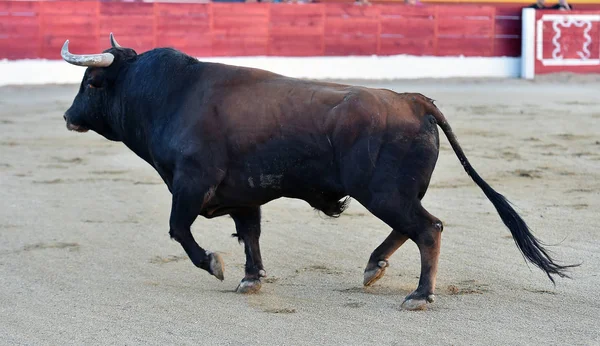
528 43
36 71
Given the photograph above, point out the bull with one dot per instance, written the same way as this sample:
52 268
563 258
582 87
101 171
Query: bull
227 140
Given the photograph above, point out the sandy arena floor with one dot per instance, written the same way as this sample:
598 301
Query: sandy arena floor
85 256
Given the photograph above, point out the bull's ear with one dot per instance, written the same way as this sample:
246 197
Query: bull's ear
97 79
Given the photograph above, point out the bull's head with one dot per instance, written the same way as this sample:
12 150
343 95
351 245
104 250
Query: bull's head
93 107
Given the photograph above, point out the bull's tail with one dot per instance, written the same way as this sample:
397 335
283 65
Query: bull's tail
528 244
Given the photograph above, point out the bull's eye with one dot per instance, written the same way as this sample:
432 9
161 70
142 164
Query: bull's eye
91 86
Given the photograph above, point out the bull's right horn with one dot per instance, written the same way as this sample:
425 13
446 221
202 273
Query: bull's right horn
95 60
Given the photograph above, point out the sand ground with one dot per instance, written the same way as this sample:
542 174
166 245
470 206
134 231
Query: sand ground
85 256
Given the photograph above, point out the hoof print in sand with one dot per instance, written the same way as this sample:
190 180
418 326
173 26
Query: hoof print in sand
467 287
168 259
280 310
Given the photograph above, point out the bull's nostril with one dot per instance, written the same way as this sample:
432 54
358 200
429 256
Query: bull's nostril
65 117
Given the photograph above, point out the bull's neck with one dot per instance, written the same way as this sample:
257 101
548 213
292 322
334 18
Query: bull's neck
135 137
133 131
145 109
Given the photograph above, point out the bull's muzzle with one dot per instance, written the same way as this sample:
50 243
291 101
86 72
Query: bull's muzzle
77 128
73 127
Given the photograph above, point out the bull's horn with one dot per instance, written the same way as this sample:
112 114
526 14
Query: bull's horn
95 60
114 42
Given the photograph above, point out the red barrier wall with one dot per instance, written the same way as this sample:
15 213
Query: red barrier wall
567 43
37 29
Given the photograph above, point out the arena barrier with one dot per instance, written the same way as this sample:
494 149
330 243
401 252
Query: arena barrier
557 41
326 40
37 29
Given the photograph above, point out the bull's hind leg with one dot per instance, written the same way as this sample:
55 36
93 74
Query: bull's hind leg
247 224
429 242
410 219
379 258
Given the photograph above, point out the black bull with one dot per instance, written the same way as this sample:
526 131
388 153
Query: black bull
227 140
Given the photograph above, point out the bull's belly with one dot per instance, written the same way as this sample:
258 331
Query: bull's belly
299 167
318 186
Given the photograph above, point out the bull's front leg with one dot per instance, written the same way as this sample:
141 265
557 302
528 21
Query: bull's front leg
186 205
247 224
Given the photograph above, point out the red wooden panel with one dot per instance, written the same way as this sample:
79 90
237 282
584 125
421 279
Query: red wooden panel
220 9
240 19
241 25
406 45
19 30
357 26
412 27
260 28
295 45
350 45
305 20
239 45
17 26
468 12
175 21
126 9
571 43
182 10
19 18
464 46
280 11
508 27
296 29
138 23
351 11
298 23
508 23
454 22
77 25
196 44
461 27
69 8
169 27
507 47
17 48
20 8
182 19
406 11
509 11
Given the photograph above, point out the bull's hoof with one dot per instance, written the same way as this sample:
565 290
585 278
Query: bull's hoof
216 265
417 303
249 286
372 275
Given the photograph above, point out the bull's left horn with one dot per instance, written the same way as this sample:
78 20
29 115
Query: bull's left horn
95 60
114 42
